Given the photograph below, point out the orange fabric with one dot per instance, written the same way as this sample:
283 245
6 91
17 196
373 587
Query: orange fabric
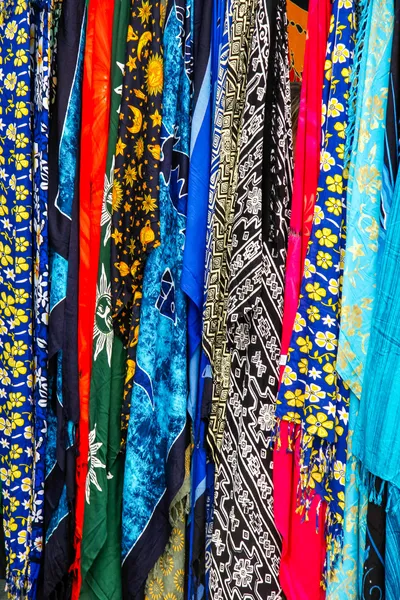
297 33
94 141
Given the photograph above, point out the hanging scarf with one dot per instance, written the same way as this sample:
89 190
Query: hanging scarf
311 393
243 491
135 210
95 120
16 303
157 435
63 405
221 206
101 540
301 565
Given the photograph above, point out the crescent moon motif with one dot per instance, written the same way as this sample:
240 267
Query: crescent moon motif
144 38
137 120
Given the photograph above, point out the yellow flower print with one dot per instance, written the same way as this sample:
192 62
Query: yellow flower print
305 344
130 175
14 503
318 215
341 129
314 393
331 373
149 203
166 564
326 238
315 291
21 265
326 339
177 540
21 192
11 132
313 314
26 484
20 58
139 148
340 53
21 7
340 471
22 89
19 348
303 366
309 269
22 36
292 417
21 141
345 73
341 500
156 588
333 286
144 12
10 81
16 420
324 260
15 400
295 398
375 108
6 302
5 255
19 316
21 244
299 323
15 473
18 368
340 151
327 160
22 537
3 470
335 108
315 477
289 376
328 69
319 425
21 296
334 206
179 580
155 75
368 179
335 183
11 30
21 162
3 206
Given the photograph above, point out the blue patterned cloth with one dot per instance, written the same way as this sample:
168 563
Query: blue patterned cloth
157 434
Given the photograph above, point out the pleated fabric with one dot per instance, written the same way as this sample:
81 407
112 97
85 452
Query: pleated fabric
95 121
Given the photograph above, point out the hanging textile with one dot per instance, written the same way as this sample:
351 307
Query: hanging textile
297 34
101 541
311 393
16 305
243 517
95 120
157 434
135 214
41 53
63 405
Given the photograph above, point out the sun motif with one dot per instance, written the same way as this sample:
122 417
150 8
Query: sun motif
177 540
116 195
166 564
155 75
156 588
179 580
139 148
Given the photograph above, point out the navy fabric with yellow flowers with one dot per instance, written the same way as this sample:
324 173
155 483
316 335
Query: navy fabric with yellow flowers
135 208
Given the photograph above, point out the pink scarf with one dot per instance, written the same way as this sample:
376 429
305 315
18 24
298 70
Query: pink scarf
302 563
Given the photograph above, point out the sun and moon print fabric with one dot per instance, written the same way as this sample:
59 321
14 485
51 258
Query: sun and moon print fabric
135 209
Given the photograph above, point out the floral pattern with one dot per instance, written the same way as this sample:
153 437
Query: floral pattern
135 210
16 310
312 394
